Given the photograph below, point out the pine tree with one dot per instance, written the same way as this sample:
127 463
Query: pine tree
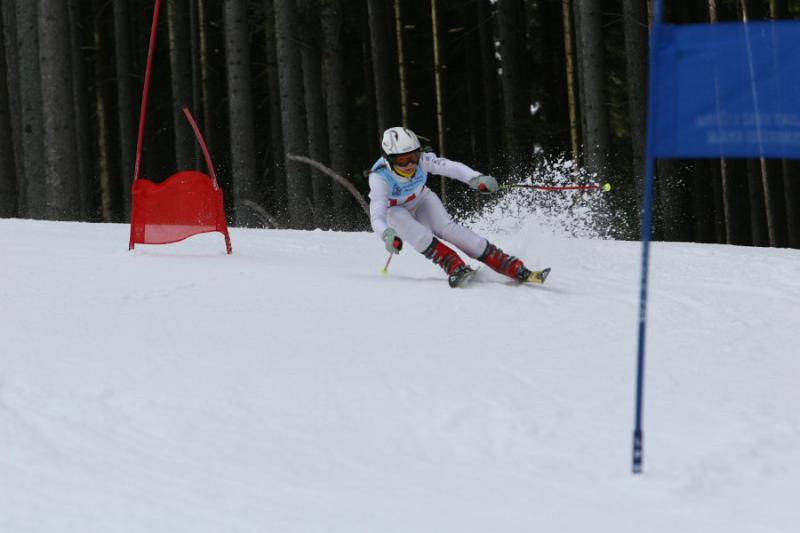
62 188
180 78
30 101
8 175
293 114
591 66
339 145
125 99
240 105
315 109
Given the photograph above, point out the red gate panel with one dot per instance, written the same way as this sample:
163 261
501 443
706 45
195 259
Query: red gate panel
186 204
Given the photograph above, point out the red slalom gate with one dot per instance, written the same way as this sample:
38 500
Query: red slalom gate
185 204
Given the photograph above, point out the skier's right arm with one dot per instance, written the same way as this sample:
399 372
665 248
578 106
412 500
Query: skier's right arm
378 204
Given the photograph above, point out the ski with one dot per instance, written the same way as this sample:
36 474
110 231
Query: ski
537 276
465 274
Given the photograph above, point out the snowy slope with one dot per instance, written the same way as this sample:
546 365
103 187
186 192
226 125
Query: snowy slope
292 388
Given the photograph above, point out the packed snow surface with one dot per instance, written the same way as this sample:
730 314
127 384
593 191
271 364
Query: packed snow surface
290 387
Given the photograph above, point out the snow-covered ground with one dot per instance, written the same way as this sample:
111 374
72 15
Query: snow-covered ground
292 388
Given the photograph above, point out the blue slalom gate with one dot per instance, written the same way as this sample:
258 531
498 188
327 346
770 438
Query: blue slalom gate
715 90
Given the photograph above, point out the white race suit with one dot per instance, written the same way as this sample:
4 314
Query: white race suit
414 211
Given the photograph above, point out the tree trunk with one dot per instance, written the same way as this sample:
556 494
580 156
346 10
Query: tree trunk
778 9
31 106
180 77
315 109
758 218
277 169
101 119
675 191
551 79
635 12
736 194
240 106
293 113
763 183
60 161
769 211
333 63
473 87
718 171
369 108
81 106
516 85
197 72
14 100
125 99
437 76
8 175
579 83
591 63
791 192
672 200
205 77
703 203
492 118
719 186
774 169
401 66
719 212
382 62
569 65
723 166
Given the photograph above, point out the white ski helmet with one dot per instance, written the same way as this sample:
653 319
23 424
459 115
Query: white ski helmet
398 140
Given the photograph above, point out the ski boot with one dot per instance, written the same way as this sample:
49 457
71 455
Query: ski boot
461 276
510 266
457 271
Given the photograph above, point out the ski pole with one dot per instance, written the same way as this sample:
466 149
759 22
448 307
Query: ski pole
606 187
385 270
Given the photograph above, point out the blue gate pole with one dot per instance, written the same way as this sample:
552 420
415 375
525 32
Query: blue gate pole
646 226
647 222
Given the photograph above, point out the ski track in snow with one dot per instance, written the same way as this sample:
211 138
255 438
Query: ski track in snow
292 388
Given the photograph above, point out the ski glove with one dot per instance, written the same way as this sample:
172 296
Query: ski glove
484 184
393 243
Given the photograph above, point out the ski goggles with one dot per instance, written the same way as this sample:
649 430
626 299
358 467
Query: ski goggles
403 160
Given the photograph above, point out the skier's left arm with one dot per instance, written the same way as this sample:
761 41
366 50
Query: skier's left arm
458 171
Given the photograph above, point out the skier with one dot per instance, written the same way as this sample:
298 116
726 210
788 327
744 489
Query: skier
402 208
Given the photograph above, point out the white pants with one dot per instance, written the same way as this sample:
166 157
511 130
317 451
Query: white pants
417 221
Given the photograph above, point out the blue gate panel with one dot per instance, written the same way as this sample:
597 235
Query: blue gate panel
728 89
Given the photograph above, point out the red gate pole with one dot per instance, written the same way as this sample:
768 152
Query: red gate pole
146 90
203 147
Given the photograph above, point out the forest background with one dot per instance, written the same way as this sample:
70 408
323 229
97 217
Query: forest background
505 86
